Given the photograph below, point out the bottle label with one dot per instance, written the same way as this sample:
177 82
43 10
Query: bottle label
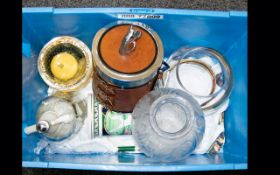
117 123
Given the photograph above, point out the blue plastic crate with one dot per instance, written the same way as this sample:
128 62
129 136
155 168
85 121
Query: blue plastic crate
223 31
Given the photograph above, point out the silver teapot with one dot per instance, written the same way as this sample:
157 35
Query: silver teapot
56 119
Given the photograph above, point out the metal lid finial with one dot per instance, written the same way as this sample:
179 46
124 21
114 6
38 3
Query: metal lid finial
42 126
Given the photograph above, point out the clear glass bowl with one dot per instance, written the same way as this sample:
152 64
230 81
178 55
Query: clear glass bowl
201 72
167 124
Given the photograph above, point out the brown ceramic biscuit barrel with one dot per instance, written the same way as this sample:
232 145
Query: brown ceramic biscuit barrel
127 57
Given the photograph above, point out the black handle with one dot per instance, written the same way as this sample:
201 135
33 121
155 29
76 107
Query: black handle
165 66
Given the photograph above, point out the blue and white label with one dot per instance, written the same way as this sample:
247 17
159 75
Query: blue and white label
139 16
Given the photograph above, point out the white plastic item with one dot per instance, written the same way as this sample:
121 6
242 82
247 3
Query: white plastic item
75 96
102 144
81 144
212 130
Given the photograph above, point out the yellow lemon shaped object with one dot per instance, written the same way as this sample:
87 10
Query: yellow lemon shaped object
64 66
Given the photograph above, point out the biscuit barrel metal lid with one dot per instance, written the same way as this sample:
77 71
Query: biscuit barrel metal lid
127 54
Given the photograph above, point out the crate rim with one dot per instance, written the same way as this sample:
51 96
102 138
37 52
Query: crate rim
174 11
125 167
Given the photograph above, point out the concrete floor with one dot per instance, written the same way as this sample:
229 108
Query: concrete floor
223 5
182 4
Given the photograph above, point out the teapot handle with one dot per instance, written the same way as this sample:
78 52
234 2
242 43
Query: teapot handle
30 129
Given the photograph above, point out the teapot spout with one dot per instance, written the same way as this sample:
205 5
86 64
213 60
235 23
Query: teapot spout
30 129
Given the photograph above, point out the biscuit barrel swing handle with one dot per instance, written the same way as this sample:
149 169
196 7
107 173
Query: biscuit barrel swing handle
128 42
